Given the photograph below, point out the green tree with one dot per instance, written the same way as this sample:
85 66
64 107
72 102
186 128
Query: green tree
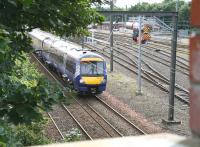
166 6
24 94
63 17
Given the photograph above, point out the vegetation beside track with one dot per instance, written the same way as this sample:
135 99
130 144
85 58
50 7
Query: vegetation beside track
24 93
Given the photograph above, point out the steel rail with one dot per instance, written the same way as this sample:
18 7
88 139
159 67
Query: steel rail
160 76
83 108
79 104
97 114
165 47
120 134
62 104
183 66
93 117
127 39
128 35
153 47
146 78
116 112
120 43
56 126
77 122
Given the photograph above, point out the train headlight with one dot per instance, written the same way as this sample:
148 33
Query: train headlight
81 81
104 81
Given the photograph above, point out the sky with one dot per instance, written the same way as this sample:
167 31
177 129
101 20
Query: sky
123 3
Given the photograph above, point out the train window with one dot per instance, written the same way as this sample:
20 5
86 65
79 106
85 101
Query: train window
56 57
92 68
70 66
60 59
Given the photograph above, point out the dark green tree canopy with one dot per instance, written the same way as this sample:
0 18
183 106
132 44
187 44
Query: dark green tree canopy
23 91
65 17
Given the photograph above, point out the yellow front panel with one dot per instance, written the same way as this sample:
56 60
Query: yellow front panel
91 59
92 80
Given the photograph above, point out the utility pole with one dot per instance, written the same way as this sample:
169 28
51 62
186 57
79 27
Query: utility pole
111 37
172 75
173 69
172 72
139 91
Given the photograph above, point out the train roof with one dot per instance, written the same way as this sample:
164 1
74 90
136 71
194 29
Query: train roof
62 46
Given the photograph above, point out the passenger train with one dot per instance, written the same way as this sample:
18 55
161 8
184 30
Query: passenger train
86 70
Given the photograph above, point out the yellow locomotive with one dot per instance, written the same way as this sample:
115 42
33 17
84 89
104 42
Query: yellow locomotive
145 33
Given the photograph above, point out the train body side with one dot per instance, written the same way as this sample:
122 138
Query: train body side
67 60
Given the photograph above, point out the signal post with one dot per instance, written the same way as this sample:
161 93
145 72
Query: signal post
140 38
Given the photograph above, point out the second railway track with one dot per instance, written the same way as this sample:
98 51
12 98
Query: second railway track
90 119
149 76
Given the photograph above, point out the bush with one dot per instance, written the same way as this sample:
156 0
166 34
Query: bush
32 134
73 135
8 137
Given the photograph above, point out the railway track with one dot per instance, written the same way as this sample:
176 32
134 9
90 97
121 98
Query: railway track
129 49
164 46
120 115
122 49
90 120
61 135
154 49
158 80
181 67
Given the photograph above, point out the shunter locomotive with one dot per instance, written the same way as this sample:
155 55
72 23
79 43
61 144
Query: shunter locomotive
145 32
84 69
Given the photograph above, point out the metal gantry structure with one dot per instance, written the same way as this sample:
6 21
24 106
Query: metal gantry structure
174 16
111 37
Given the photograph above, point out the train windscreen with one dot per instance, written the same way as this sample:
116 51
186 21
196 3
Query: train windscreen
92 68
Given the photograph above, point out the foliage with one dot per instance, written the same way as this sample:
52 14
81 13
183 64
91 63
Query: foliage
24 93
8 136
73 135
32 134
23 135
64 17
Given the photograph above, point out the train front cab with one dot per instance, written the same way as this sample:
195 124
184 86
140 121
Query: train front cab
92 78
